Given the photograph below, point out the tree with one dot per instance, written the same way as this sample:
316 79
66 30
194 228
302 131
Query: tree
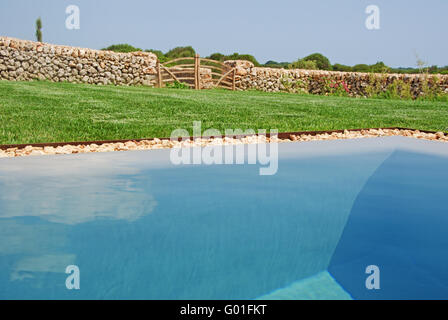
321 61
39 30
379 67
341 67
362 67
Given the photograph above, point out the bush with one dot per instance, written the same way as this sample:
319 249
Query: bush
180 52
248 57
303 64
315 61
162 58
379 67
122 48
235 56
338 88
217 56
294 86
322 62
341 67
275 64
177 85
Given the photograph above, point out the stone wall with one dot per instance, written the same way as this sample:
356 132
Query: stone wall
29 60
325 82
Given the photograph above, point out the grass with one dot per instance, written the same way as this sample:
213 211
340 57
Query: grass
33 112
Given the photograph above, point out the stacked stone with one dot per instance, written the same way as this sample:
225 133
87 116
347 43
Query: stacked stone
317 81
202 142
29 60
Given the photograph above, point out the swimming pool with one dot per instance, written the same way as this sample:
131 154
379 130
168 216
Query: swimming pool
140 228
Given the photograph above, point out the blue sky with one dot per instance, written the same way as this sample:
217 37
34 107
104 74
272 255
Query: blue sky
281 30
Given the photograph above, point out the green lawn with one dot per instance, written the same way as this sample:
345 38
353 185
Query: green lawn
32 112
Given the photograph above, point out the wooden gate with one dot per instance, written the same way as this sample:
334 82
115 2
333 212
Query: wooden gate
197 73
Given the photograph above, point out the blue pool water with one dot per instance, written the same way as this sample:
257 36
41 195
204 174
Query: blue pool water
140 228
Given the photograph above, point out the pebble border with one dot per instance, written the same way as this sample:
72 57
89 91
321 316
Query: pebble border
166 143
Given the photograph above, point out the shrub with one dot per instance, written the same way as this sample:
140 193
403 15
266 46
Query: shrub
379 67
339 88
235 56
122 48
376 86
217 56
248 57
180 52
431 89
341 67
177 85
160 55
398 89
322 62
361 68
275 64
406 92
302 64
298 86
393 90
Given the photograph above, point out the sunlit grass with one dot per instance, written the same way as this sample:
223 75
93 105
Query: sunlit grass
32 112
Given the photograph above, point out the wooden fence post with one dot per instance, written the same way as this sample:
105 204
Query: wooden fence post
233 79
197 76
159 75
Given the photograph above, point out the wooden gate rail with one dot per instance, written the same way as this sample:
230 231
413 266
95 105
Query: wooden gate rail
178 70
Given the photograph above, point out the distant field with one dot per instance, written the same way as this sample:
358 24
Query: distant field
32 112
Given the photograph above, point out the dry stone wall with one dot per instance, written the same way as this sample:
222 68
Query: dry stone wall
29 60
325 82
